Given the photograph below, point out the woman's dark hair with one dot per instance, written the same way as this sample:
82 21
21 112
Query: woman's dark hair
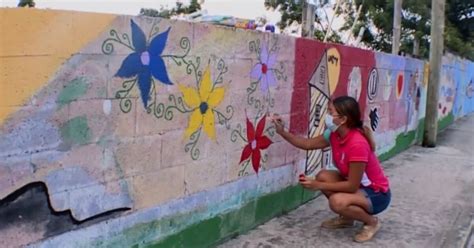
348 106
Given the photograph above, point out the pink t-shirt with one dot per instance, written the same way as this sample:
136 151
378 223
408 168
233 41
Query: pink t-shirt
355 148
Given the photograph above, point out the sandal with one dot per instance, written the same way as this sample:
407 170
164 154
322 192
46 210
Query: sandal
337 222
367 232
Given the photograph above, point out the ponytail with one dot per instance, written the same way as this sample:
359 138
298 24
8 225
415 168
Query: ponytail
349 107
369 136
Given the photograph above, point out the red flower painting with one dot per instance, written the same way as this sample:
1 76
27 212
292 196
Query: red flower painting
256 142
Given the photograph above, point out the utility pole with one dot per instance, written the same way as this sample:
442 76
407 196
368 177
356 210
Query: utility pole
397 21
436 54
308 19
329 29
416 46
359 37
353 24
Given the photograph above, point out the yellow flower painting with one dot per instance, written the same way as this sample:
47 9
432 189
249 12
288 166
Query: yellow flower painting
202 102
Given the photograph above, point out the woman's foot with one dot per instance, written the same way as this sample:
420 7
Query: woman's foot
368 231
337 222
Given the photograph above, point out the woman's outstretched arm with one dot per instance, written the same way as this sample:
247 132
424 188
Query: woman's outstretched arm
303 143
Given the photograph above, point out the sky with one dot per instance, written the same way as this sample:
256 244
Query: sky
249 9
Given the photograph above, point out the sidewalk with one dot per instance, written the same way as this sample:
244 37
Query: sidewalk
432 203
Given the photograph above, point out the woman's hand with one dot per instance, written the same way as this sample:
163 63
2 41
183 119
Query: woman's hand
308 183
278 122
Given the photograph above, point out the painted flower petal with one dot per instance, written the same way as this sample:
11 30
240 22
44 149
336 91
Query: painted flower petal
264 54
195 121
131 66
158 43
206 85
216 97
263 142
264 84
256 72
256 160
246 153
272 59
144 84
271 79
250 131
138 38
190 96
260 126
158 70
208 124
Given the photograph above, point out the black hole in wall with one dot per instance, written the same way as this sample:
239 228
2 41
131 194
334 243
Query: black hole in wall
30 206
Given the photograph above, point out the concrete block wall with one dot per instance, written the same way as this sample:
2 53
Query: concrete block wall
135 131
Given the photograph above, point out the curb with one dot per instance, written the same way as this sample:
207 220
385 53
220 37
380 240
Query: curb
469 239
462 231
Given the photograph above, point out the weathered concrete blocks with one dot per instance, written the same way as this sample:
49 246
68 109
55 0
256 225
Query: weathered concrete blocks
156 187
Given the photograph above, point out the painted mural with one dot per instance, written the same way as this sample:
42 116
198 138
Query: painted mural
147 123
145 69
457 90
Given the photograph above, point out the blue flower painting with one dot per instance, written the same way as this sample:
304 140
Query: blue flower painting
145 62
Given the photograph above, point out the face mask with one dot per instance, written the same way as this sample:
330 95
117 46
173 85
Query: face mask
330 123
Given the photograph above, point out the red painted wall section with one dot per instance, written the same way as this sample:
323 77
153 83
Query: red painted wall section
308 54
351 59
355 67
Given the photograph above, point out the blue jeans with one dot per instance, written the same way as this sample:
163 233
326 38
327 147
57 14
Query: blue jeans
378 201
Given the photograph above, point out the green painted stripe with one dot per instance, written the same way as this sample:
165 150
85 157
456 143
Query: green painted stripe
404 141
225 226
445 122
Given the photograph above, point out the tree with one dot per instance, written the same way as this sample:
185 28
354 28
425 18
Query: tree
163 13
378 24
292 10
26 3
416 21
180 8
193 7
460 14
459 28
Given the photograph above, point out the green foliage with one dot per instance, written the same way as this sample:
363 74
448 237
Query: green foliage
455 43
26 3
416 21
163 13
377 19
333 37
459 28
293 11
290 11
180 8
